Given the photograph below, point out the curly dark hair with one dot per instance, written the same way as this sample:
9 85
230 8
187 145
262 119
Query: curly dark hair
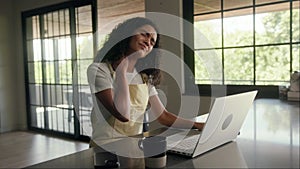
117 44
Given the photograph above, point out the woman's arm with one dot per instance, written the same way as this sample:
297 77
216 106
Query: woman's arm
166 118
121 96
117 100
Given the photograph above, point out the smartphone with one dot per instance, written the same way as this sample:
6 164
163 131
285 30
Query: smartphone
105 160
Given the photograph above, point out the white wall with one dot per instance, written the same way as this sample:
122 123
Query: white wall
12 84
8 68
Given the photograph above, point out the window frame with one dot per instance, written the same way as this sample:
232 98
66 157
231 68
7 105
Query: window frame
71 6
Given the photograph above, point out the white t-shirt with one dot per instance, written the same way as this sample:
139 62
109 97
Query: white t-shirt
100 78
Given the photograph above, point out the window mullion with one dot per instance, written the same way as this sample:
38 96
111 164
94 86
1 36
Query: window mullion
254 45
73 18
222 29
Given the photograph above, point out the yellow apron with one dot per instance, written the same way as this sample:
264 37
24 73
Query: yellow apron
139 96
138 103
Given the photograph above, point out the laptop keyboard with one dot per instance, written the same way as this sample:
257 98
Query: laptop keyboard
185 146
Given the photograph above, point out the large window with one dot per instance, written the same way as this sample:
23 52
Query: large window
59 47
60 42
256 41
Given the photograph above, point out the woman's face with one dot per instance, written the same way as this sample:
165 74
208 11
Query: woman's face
142 41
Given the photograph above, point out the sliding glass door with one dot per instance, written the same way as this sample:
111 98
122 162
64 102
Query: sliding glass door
59 44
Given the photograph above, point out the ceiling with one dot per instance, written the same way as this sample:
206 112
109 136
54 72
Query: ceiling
111 12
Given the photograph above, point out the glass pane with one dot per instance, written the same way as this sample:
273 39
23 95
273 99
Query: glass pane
49 74
85 122
82 71
85 97
85 46
229 4
85 107
207 17
267 1
272 65
84 19
64 48
238 66
36 94
60 119
68 121
58 95
296 58
296 21
272 27
48 49
55 23
60 116
64 22
34 50
48 95
240 12
37 50
208 67
53 119
48 25
32 27
208 33
238 30
35 72
65 72
204 6
67 96
54 95
37 116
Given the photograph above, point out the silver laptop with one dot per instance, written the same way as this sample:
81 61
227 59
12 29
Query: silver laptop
222 125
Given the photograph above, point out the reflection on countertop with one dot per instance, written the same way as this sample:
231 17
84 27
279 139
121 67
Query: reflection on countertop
270 134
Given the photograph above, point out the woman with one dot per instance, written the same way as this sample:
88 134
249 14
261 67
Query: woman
124 83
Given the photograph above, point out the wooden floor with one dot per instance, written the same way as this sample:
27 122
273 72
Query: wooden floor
21 148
